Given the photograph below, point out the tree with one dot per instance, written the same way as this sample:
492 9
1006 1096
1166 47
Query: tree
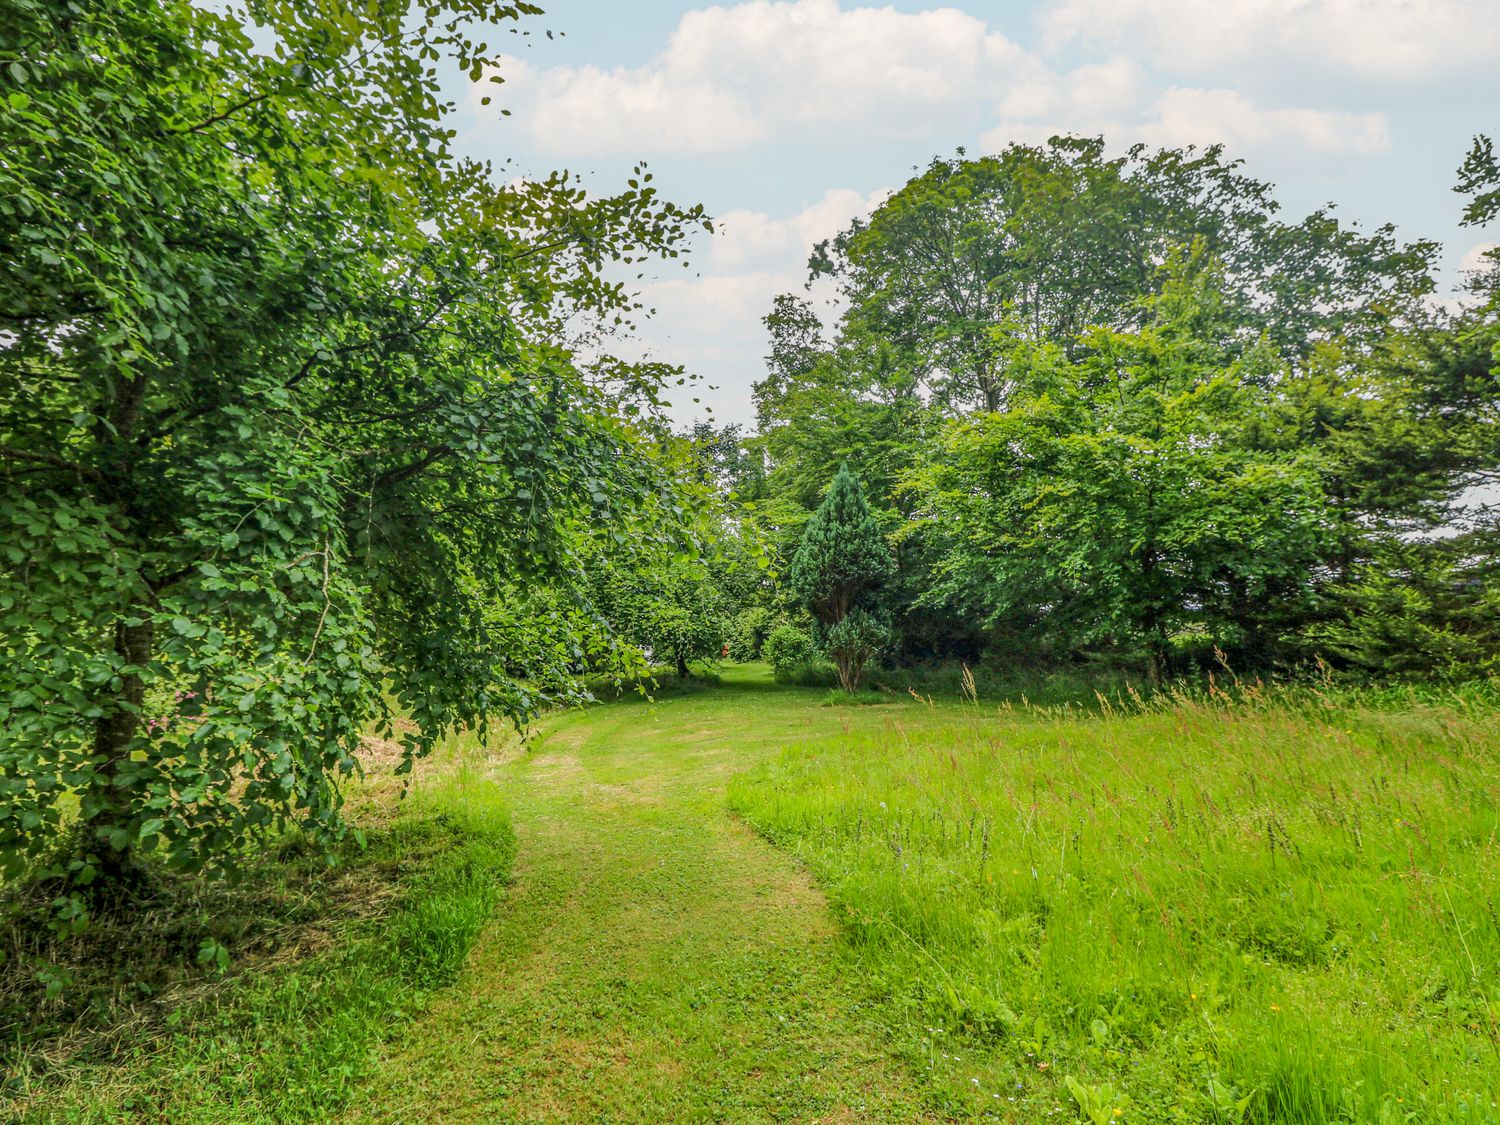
283 409
1118 504
796 348
1041 243
673 608
837 572
960 280
1418 608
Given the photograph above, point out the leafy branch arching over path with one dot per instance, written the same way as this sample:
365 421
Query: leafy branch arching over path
655 960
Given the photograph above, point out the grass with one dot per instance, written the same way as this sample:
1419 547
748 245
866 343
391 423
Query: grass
1275 908
737 903
656 960
289 1035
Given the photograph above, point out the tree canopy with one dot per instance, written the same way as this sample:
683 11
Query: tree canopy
285 408
1119 408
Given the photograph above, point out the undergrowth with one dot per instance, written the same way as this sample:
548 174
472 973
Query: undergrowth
322 964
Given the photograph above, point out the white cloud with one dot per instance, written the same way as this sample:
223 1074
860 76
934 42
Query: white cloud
1478 257
731 76
768 71
1115 100
1194 116
1094 92
1407 40
586 110
711 323
754 240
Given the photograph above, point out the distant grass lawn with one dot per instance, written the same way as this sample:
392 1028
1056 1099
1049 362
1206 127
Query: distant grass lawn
1278 909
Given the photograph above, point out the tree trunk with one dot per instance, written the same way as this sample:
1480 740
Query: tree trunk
108 805
841 667
682 668
1154 666
113 734
850 666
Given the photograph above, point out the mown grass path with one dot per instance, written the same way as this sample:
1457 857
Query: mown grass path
655 960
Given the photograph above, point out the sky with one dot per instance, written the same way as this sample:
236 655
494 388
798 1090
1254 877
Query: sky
787 119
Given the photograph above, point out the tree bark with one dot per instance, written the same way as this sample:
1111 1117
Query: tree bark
113 734
113 802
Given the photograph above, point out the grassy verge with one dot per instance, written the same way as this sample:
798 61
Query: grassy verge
287 1036
1280 908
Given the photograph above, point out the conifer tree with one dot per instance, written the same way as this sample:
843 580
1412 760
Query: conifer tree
837 573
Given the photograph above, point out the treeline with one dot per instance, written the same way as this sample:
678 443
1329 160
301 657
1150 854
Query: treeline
294 446
1118 409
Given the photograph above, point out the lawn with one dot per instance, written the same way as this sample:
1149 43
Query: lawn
741 903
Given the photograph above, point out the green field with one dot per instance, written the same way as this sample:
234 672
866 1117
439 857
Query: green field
738 903
1277 909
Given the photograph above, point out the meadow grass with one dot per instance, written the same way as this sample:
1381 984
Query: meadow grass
1265 907
288 1039
1261 906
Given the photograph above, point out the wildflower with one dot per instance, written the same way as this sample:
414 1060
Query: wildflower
1275 1007
1043 1065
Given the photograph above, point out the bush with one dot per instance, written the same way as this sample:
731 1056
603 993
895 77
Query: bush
748 633
790 652
852 643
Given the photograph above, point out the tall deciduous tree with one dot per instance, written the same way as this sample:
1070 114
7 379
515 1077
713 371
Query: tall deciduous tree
1044 242
283 408
837 572
1118 502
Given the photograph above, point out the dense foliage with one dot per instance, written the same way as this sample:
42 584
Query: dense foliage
837 573
288 433
789 651
1119 409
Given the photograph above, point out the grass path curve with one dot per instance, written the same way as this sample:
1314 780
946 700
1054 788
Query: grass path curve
655 960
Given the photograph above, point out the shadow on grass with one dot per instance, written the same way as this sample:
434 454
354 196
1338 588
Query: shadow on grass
135 1016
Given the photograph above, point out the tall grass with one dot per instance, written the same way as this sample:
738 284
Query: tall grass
1264 906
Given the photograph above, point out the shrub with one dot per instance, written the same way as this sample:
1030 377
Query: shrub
852 643
837 572
748 632
790 652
